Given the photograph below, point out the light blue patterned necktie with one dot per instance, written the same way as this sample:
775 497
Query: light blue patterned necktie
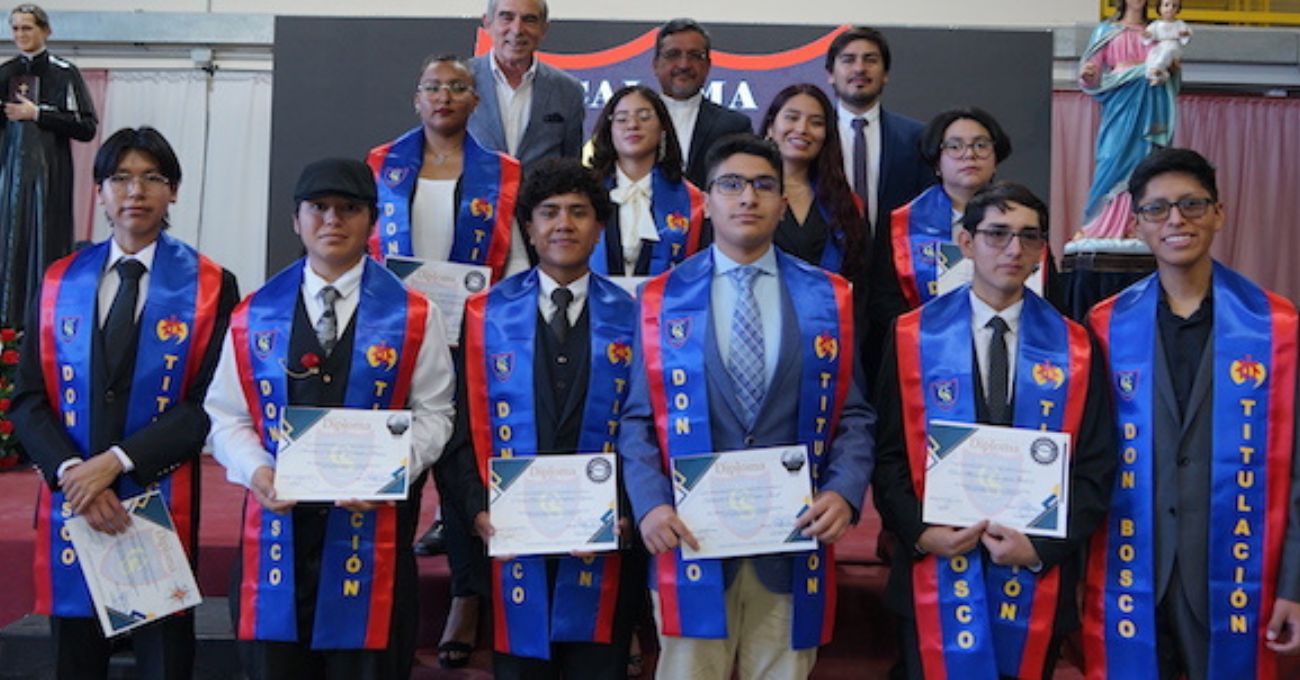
745 359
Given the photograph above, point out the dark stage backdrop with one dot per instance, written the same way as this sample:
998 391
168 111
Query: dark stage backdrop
344 85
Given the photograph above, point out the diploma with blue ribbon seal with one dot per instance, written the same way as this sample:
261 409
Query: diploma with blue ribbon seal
1016 477
741 503
339 454
139 575
553 504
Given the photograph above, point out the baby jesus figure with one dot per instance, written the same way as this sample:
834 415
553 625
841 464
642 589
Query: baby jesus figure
1169 35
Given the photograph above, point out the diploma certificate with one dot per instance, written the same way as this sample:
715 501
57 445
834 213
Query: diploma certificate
446 284
557 504
744 502
1016 477
339 454
137 576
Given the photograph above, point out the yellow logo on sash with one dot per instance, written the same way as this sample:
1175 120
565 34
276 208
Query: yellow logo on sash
172 327
381 355
826 346
1046 372
678 222
619 353
1247 369
480 207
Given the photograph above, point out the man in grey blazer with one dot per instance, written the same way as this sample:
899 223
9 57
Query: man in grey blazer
1197 570
526 108
681 63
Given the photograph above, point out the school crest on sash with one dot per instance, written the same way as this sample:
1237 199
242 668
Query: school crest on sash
930 252
503 365
172 328
395 176
1246 370
263 343
1046 373
945 392
679 330
381 355
1126 384
68 326
619 352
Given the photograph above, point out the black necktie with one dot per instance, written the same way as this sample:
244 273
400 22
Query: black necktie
998 369
560 322
119 326
860 163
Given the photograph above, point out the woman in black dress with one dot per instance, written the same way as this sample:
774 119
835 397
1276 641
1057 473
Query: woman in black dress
46 104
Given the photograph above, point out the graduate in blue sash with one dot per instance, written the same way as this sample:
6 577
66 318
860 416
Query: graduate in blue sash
987 601
545 361
121 344
323 590
744 347
1196 570
659 215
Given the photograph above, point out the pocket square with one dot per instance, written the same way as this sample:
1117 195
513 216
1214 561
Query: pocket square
553 118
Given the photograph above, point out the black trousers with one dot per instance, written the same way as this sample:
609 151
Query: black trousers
164 650
1182 644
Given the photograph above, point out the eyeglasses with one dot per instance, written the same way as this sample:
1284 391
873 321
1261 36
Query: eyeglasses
999 237
955 148
691 55
1158 210
734 185
623 118
455 88
150 180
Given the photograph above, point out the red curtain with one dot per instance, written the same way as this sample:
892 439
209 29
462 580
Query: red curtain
1254 142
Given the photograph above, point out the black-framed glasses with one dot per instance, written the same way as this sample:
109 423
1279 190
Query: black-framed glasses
734 185
119 181
455 88
1190 207
1000 237
623 118
955 148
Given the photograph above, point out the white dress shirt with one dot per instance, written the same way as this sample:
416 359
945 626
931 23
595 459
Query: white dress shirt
578 287
238 446
433 225
636 222
767 293
872 133
684 113
980 315
516 103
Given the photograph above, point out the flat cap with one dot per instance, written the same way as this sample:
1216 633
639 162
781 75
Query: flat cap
336 177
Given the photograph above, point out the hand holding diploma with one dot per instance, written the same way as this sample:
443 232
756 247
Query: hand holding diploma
662 530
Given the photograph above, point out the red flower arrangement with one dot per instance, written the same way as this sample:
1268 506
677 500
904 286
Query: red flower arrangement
9 338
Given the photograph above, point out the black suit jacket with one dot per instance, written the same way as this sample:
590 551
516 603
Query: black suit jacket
713 123
175 437
1091 477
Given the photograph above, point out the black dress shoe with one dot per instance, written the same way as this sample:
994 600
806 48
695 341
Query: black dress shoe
431 543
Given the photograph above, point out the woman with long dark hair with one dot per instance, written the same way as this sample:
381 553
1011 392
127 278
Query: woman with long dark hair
823 223
660 213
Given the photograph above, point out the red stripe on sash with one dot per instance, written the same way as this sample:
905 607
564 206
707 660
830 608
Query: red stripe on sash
907 343
608 598
381 589
500 631
499 251
904 268
42 570
669 608
1094 598
844 305
182 503
697 218
417 316
1281 431
376 162
250 547
476 385
652 300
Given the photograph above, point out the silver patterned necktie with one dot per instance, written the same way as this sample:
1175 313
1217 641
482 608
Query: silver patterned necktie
745 358
327 326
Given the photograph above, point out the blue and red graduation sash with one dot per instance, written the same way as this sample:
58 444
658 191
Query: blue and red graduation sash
1253 426
354 600
176 327
975 618
918 231
674 323
489 185
678 211
500 332
833 252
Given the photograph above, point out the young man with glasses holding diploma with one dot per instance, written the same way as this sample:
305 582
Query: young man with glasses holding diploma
1196 571
741 347
987 600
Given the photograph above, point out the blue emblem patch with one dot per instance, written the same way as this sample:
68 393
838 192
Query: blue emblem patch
945 392
679 330
69 325
394 176
503 365
263 343
1126 384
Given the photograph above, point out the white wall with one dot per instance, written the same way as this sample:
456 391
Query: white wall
885 12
